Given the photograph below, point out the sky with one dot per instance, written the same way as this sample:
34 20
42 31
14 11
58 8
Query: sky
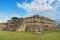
24 8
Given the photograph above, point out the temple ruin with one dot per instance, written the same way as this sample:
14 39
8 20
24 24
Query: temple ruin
33 23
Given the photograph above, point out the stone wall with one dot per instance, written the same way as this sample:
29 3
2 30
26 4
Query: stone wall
37 23
34 23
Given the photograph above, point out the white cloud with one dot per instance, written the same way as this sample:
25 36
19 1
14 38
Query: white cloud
58 0
15 15
29 15
3 17
35 5
50 1
38 6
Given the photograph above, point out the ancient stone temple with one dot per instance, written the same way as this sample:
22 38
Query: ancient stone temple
33 23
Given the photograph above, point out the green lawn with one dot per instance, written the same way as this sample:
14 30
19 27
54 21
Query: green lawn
51 35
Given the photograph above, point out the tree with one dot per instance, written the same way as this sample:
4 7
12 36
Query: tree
15 18
15 22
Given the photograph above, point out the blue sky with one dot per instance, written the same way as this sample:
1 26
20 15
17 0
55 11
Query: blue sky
23 8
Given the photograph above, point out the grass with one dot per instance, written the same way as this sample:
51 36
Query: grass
47 35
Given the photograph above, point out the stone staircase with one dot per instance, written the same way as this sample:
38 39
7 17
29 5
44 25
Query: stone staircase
13 26
21 22
21 27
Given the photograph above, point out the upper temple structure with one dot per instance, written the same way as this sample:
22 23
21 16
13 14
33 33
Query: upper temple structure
33 23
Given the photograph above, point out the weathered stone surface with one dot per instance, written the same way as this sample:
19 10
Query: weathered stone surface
34 23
